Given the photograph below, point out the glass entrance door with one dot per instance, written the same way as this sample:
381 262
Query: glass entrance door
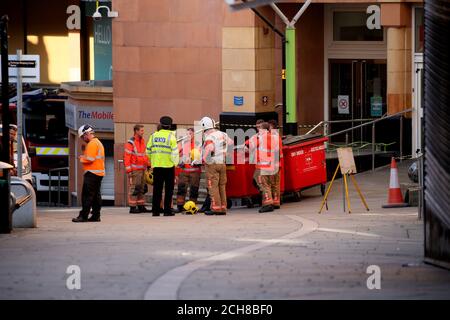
357 91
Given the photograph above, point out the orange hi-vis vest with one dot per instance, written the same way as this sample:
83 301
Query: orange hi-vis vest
186 147
94 158
267 149
135 158
275 133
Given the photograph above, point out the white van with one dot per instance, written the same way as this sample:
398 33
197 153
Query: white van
26 160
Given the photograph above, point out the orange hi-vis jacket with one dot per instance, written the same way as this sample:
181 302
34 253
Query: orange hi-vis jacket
277 135
185 148
134 157
267 149
93 159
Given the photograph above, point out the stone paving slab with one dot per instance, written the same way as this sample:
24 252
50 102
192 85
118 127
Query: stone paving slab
244 255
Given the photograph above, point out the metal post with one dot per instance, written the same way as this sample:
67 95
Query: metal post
346 138
5 210
291 83
59 187
283 83
401 138
49 187
343 192
19 116
373 146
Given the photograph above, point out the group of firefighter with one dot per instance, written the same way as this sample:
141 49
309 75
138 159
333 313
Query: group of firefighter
156 161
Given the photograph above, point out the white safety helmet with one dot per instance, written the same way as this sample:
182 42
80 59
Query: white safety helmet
207 123
85 129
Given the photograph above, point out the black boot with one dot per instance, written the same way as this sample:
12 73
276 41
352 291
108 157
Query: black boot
134 210
80 218
169 214
206 205
94 218
179 209
143 209
268 208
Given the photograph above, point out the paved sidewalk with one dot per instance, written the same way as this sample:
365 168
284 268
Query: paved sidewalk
293 253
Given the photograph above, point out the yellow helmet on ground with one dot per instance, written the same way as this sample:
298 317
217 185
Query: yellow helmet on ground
195 155
148 177
190 207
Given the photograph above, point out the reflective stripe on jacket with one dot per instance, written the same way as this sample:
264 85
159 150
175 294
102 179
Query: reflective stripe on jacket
215 147
266 148
162 149
186 147
134 156
93 159
276 134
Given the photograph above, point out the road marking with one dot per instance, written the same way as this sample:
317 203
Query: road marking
366 234
385 214
166 287
350 232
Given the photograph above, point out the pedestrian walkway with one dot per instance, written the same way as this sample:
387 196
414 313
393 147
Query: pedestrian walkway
292 253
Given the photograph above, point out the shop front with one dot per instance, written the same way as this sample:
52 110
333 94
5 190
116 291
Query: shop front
89 102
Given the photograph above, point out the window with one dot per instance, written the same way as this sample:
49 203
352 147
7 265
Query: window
351 26
418 30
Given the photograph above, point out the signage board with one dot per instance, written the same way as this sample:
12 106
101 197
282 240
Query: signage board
346 160
343 105
238 101
376 106
30 67
101 118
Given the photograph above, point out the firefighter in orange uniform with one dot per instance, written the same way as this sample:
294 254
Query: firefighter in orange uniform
93 161
136 162
215 148
266 148
190 173
276 191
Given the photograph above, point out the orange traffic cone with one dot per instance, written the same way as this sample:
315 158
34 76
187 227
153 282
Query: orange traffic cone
395 198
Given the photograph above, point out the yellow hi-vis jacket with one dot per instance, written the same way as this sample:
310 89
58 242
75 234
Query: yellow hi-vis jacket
162 149
93 159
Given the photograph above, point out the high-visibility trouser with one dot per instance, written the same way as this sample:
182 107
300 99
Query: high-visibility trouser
265 183
276 192
216 175
136 187
187 179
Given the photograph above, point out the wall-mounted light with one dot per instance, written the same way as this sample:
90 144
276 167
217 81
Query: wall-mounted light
110 14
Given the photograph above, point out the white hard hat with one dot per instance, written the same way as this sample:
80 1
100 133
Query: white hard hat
85 129
207 123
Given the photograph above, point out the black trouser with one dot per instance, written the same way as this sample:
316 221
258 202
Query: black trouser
163 177
91 196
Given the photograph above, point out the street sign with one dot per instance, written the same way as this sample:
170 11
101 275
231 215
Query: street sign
22 64
30 67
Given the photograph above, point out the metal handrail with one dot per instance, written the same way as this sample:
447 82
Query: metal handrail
326 122
59 183
372 122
